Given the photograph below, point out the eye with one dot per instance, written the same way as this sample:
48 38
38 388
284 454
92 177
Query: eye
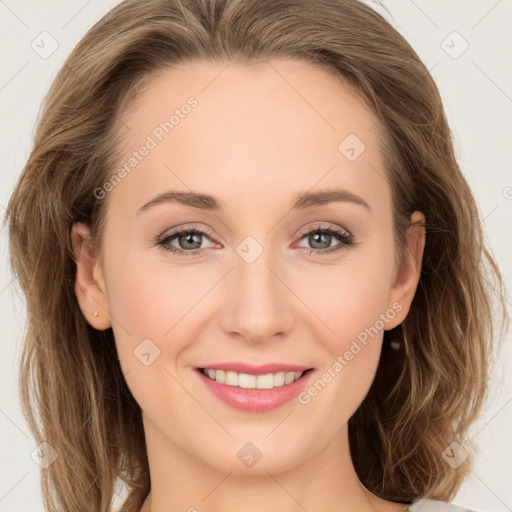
188 240
323 236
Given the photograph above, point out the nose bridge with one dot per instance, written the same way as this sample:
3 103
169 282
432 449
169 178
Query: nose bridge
258 306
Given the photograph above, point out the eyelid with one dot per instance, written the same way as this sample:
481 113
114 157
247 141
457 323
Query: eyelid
323 226
209 232
186 228
341 233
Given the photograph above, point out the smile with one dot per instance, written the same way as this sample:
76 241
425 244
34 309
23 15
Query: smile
251 392
248 381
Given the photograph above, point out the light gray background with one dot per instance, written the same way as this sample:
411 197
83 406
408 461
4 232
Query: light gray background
477 91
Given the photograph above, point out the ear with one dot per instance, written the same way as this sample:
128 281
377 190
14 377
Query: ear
89 283
408 274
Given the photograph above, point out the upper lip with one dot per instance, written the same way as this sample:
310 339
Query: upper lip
257 369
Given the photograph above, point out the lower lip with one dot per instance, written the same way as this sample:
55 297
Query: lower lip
256 400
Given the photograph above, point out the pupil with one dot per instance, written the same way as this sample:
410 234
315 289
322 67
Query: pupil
314 238
188 238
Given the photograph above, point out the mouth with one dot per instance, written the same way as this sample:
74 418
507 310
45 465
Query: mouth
257 391
253 380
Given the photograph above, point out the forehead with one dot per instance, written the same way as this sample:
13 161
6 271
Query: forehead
238 93
252 130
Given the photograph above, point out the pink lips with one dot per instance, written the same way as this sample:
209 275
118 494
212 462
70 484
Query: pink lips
256 400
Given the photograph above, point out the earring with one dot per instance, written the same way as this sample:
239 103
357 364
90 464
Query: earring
94 314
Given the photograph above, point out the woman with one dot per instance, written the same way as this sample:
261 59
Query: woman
327 348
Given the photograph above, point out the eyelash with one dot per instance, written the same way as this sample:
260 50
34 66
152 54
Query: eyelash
346 239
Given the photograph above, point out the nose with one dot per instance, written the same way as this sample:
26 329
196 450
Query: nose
258 305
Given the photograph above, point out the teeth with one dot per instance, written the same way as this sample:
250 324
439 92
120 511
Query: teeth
246 381
231 379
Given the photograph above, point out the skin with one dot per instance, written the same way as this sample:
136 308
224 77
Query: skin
258 136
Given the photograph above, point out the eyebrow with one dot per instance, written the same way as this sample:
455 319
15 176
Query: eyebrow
301 200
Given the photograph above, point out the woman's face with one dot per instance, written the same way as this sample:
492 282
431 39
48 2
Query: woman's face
260 160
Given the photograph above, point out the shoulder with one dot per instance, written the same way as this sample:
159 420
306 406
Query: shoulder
425 505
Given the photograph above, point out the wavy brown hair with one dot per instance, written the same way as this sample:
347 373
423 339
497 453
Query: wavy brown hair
73 392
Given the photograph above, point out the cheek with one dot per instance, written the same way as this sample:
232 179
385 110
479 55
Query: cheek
143 305
352 305
351 299
149 300
153 323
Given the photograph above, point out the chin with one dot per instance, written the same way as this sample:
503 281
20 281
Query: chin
256 457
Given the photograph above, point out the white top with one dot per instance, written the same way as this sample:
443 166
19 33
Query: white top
425 505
